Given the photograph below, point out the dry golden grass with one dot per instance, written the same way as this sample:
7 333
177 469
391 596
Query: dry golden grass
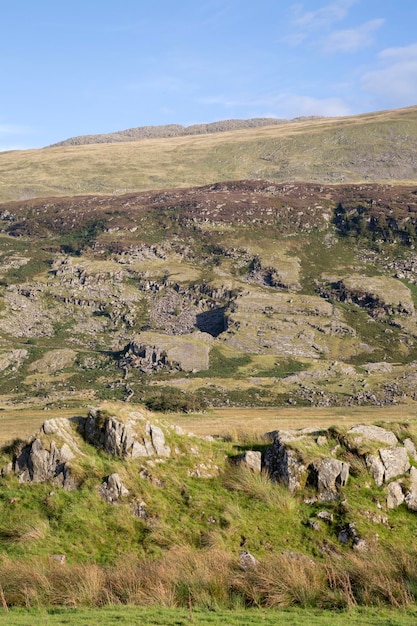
237 423
213 579
20 423
294 151
255 421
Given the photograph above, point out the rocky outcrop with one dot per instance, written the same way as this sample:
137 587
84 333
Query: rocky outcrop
380 296
121 438
287 464
146 359
327 475
37 464
48 454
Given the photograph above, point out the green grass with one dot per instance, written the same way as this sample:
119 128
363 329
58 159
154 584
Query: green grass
154 616
222 366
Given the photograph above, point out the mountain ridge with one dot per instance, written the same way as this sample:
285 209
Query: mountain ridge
177 130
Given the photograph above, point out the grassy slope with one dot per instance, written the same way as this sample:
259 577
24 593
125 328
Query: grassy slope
377 146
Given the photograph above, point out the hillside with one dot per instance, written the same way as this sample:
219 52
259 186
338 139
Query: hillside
243 293
373 147
190 374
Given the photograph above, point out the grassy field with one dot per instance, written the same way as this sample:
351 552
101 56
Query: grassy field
20 423
152 616
225 421
295 151
229 421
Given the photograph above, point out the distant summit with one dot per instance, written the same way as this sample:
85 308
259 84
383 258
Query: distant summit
176 130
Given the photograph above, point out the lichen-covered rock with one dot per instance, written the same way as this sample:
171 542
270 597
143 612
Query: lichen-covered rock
411 496
372 433
376 468
63 429
327 475
395 460
285 464
157 438
389 463
411 448
395 495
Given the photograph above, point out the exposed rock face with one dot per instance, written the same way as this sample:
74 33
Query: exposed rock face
120 439
146 358
112 489
395 495
327 475
390 463
288 460
396 462
37 464
381 296
284 464
287 465
411 497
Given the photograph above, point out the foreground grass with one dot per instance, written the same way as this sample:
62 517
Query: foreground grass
252 617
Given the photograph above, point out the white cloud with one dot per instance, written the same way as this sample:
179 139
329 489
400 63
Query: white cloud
395 78
352 39
293 105
326 16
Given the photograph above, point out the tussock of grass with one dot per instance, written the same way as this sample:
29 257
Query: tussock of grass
212 579
260 487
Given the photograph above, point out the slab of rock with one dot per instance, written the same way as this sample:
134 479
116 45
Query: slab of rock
395 495
62 427
372 433
250 459
157 438
376 468
396 462
327 475
390 463
411 448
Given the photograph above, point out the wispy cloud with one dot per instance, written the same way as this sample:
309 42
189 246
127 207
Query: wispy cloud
395 78
319 28
13 129
326 16
15 137
286 105
352 39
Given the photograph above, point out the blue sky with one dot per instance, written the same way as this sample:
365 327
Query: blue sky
74 67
